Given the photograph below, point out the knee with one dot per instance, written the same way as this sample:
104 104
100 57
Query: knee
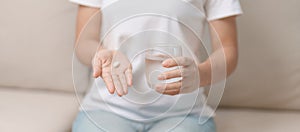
84 124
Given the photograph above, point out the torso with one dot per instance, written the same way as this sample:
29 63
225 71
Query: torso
132 28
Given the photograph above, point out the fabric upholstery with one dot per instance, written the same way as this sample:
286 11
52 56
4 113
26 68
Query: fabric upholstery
36 111
247 120
36 44
268 72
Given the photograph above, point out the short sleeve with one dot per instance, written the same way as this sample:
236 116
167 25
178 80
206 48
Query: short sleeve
90 3
218 9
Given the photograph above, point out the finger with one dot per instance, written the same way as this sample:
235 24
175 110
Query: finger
171 92
97 68
179 61
128 74
170 74
109 82
168 86
122 79
118 85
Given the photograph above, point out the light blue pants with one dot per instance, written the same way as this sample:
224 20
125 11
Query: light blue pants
102 121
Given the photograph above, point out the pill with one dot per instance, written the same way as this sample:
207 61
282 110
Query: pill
116 64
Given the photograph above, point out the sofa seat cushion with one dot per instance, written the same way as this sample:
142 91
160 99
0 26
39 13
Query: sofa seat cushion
247 120
36 111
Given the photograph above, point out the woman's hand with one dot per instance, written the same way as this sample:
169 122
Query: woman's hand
188 71
114 68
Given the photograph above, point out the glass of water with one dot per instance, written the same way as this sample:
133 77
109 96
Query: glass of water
154 58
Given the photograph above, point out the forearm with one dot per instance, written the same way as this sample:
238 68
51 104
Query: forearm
87 33
226 57
225 51
86 52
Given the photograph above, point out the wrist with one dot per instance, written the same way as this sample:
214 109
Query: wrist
204 73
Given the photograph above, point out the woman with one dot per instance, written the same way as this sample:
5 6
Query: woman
112 89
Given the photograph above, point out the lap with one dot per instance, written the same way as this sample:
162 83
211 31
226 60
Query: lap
184 124
100 121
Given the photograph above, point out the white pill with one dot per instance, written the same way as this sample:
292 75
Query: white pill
116 64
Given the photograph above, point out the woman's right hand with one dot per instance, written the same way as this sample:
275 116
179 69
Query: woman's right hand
114 68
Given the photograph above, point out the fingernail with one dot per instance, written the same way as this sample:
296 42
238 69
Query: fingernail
111 91
125 91
160 77
130 83
158 87
164 63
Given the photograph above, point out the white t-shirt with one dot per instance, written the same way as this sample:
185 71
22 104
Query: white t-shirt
132 26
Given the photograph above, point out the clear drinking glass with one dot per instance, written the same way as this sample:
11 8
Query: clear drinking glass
154 58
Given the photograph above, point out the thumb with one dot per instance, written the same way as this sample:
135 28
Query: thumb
97 68
178 61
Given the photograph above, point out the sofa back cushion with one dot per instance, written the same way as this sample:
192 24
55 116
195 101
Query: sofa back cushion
268 74
36 45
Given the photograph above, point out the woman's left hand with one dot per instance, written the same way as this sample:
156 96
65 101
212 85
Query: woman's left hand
188 71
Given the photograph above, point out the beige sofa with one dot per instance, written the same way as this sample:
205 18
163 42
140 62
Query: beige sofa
36 50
